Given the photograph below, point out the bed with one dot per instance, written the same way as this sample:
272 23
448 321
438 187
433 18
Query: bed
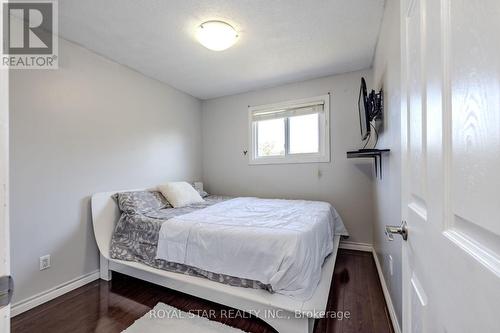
287 313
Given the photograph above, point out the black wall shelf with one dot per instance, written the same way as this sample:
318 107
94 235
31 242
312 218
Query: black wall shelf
375 154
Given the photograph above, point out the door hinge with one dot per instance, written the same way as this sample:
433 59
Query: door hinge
6 290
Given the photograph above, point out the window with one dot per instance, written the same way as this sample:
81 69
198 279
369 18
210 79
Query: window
290 132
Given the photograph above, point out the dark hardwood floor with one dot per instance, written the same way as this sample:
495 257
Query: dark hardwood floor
111 307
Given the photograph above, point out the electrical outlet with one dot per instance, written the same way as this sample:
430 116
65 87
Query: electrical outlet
391 266
45 262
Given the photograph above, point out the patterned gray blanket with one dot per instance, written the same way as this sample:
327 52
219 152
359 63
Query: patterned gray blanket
136 238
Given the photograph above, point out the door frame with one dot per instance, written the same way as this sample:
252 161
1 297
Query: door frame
4 190
4 184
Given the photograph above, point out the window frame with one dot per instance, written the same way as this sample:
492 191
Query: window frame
323 156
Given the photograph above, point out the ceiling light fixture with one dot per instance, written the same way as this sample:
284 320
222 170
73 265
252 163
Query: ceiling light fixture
216 35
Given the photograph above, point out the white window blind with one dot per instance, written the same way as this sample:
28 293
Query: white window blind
301 110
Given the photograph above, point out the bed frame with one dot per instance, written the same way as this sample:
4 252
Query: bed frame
291 315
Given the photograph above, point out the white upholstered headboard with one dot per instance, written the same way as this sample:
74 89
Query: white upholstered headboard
105 214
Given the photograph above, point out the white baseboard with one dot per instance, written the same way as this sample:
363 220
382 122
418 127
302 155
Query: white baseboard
388 300
48 295
347 245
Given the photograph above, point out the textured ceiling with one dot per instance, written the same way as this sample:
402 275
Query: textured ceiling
280 40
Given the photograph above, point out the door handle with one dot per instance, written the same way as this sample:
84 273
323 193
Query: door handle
6 290
402 230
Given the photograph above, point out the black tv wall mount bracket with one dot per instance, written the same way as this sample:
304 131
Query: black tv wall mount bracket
377 104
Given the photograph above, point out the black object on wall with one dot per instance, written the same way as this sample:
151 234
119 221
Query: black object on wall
375 154
370 108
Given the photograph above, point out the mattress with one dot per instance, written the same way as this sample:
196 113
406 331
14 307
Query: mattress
135 238
281 243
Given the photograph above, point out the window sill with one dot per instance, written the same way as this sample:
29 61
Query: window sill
289 160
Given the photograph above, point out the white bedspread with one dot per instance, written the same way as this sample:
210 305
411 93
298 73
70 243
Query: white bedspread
278 242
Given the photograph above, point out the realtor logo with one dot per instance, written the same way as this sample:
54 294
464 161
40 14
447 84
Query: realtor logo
29 33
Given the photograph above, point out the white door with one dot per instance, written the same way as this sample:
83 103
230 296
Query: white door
451 165
4 167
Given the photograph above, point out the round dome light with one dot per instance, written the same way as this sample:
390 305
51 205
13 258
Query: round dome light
216 35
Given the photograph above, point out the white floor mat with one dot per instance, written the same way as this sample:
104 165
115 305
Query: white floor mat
164 318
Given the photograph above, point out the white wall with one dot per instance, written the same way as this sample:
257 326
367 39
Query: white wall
387 71
347 184
90 126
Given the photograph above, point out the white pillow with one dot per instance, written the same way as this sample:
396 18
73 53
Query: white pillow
180 194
